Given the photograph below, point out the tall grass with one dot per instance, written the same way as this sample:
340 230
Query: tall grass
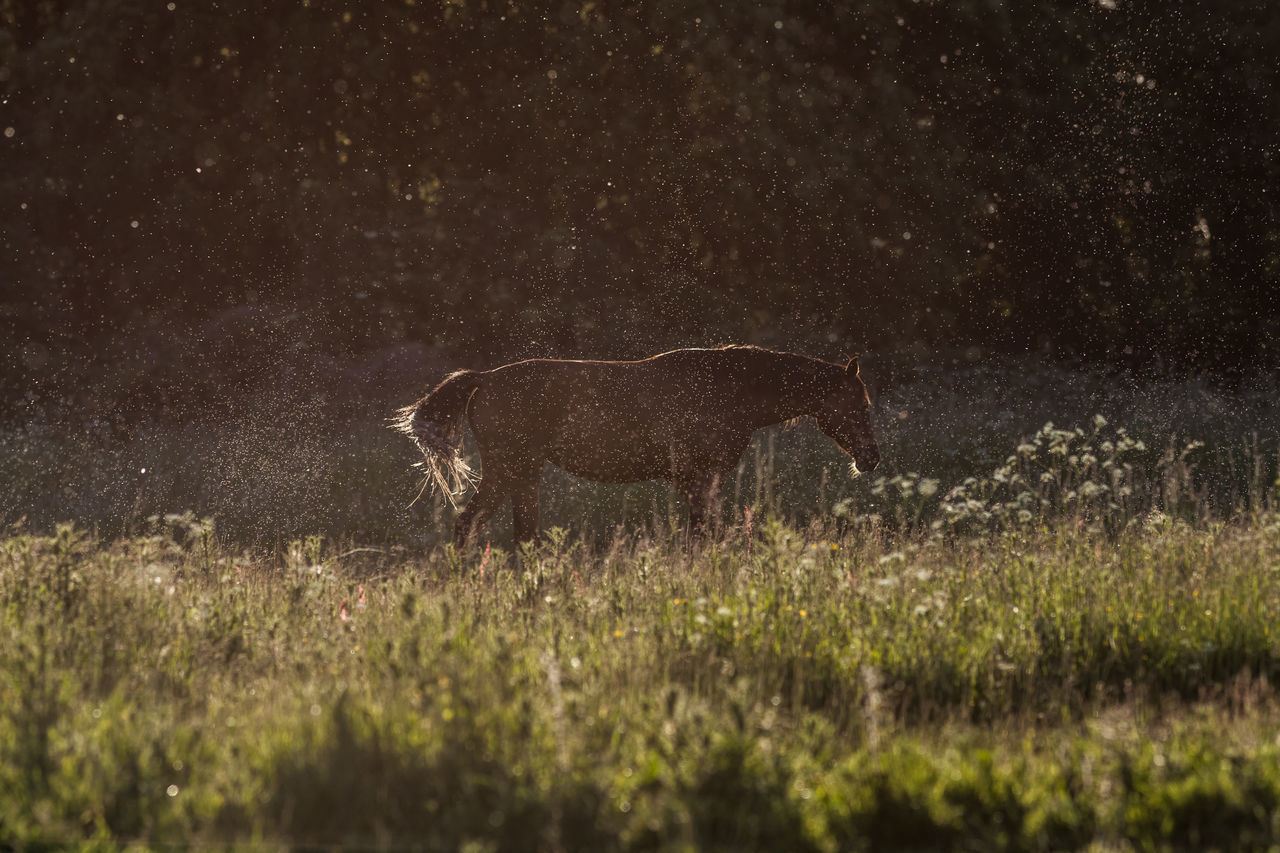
1036 687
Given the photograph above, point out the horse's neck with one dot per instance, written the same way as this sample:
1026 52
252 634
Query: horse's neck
782 390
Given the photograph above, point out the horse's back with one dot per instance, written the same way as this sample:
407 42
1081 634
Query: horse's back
555 383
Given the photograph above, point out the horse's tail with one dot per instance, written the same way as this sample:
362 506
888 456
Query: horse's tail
435 425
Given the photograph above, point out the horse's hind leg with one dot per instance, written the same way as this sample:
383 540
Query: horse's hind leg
524 510
476 513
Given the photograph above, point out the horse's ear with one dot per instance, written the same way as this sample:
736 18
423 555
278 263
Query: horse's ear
852 368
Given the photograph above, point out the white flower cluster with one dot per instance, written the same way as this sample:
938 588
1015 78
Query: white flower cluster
1055 473
908 494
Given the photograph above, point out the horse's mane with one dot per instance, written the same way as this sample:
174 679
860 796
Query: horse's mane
772 353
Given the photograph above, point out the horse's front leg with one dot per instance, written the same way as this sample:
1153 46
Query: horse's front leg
701 490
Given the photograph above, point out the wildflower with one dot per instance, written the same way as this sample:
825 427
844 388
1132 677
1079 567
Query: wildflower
1091 489
343 615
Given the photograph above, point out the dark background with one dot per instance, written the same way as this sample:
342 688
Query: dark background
197 194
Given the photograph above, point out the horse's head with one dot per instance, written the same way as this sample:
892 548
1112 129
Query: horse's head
846 416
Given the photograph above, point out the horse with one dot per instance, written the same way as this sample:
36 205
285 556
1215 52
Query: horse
685 416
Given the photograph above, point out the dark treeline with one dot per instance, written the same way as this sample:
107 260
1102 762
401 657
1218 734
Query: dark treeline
1091 178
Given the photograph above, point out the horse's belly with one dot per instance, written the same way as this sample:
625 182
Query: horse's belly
614 461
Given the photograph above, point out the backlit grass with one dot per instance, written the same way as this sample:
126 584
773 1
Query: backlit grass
1041 689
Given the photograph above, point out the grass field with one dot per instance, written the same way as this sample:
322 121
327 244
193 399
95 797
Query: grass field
1019 638
1041 689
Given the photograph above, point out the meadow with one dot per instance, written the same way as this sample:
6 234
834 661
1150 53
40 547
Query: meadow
1022 636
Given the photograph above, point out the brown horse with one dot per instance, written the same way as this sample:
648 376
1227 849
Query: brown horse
684 416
